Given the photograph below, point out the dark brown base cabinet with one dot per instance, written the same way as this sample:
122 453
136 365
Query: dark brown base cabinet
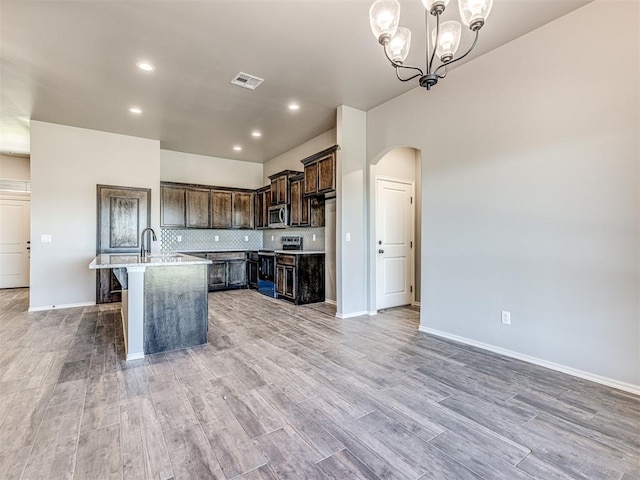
252 270
228 270
300 277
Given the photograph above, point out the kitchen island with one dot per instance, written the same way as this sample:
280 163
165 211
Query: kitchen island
164 300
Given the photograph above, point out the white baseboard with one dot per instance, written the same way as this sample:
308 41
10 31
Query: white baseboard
373 313
609 382
330 302
350 315
416 304
57 307
135 356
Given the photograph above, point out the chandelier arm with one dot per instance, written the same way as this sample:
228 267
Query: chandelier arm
475 40
407 79
398 65
435 45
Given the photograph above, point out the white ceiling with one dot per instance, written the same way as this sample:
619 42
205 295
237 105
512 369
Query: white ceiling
74 63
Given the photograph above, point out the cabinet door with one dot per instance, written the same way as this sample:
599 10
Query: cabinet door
304 211
259 203
265 208
172 207
290 282
274 192
197 208
236 273
283 196
311 179
316 211
221 209
242 210
280 279
252 274
217 275
296 204
327 174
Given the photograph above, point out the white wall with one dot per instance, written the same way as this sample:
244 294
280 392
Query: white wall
291 160
221 172
66 165
14 167
530 192
351 212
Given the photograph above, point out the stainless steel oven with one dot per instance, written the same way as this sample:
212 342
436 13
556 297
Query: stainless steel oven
278 216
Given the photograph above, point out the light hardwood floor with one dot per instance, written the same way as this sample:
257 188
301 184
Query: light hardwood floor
284 392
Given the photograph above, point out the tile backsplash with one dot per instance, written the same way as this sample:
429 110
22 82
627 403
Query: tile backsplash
308 243
199 240
193 240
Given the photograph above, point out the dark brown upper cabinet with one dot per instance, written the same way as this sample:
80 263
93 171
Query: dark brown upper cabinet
221 209
262 202
280 186
172 206
305 211
320 172
242 208
197 200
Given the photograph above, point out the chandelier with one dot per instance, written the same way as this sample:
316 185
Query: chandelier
442 44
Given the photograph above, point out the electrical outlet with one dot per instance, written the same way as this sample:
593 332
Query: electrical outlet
216 238
314 237
45 238
273 238
348 237
246 238
506 317
179 238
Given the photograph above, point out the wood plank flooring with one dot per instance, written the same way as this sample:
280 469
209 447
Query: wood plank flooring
285 392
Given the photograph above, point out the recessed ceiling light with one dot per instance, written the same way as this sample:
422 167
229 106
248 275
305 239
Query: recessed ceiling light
237 148
294 106
147 67
256 134
135 110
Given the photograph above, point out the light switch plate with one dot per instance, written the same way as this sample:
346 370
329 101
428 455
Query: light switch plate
246 238
348 237
179 238
216 238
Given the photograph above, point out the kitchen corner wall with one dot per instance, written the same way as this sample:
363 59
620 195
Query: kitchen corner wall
66 165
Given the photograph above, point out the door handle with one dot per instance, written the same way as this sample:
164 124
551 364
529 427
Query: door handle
380 251
281 215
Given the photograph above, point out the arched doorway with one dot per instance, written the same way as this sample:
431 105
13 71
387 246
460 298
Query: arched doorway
395 180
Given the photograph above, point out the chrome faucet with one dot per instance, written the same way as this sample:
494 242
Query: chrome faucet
146 251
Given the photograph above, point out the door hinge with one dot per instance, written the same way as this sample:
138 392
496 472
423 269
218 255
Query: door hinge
411 244
411 289
411 200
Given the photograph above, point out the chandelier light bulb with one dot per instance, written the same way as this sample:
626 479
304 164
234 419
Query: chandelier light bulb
448 40
474 12
384 16
398 46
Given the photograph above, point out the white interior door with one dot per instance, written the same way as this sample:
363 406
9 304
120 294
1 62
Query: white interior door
394 243
14 243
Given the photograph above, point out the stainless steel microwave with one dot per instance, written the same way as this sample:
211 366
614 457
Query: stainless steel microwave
278 216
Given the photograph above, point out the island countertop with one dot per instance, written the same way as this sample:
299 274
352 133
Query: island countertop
122 260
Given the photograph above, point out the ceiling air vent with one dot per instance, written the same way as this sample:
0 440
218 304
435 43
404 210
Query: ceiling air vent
247 81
